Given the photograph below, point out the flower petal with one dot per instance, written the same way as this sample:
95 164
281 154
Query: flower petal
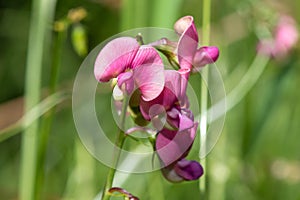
115 57
173 145
171 175
188 41
185 122
126 82
188 170
146 55
205 55
149 79
169 95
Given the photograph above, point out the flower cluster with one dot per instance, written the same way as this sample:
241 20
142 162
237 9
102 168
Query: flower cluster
158 96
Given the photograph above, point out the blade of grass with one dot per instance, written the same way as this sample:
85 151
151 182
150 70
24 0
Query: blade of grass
47 119
33 115
42 11
127 15
165 13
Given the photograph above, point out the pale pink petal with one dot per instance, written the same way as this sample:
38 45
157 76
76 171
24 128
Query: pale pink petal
115 57
149 79
188 41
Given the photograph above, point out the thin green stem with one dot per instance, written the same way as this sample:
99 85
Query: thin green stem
30 116
204 96
42 10
48 117
117 152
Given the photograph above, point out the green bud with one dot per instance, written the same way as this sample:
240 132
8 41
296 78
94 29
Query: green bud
79 39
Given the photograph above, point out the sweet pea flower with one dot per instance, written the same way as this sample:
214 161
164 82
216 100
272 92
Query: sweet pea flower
285 38
188 53
135 67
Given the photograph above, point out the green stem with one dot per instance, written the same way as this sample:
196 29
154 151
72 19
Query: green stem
48 117
117 152
42 10
204 97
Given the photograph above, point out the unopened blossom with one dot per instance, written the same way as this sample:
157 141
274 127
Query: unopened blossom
135 66
285 38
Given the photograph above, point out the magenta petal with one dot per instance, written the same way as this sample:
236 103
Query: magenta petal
126 82
189 170
172 145
146 55
115 57
205 55
173 83
173 117
188 41
185 122
150 79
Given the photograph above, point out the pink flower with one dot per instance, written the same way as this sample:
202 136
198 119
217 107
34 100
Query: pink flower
135 66
188 54
285 38
172 148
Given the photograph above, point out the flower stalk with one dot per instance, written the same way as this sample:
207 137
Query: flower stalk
117 152
204 95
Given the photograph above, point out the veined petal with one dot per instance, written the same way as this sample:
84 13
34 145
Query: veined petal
188 170
188 41
149 79
115 57
146 55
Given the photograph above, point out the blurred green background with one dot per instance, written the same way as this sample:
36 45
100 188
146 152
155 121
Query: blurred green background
258 153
